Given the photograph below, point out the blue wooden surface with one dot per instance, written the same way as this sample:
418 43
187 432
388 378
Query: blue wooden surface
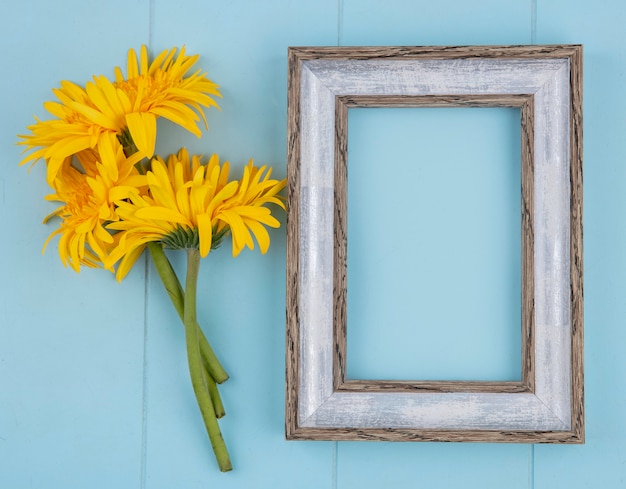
428 295
94 390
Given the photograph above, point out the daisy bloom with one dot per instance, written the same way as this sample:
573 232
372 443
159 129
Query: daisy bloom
190 205
88 194
127 107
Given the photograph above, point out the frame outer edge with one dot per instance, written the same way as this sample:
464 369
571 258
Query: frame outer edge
293 240
436 52
296 56
576 244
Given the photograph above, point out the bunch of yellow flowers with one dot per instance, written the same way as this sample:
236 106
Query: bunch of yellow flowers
118 198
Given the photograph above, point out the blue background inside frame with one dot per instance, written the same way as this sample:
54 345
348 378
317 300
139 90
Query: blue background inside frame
434 252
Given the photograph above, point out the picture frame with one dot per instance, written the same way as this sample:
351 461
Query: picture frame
545 83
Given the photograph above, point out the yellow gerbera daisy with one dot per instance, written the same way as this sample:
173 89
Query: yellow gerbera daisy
88 195
191 205
127 107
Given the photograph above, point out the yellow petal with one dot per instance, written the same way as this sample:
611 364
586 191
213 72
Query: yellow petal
131 67
94 116
128 261
205 234
108 157
144 60
162 214
260 233
142 128
240 234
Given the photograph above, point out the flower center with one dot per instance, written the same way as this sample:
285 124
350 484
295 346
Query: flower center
150 89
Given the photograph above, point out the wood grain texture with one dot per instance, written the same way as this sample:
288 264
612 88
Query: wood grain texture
528 239
340 273
431 386
293 244
379 101
334 408
576 243
424 435
435 52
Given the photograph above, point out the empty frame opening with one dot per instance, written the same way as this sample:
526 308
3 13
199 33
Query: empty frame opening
434 244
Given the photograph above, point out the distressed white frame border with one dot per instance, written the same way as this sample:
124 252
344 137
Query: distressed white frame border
552 411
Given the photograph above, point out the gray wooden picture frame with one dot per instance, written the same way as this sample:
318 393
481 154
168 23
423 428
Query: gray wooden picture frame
545 82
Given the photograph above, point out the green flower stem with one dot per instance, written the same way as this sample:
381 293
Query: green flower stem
175 292
195 363
216 400
212 364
